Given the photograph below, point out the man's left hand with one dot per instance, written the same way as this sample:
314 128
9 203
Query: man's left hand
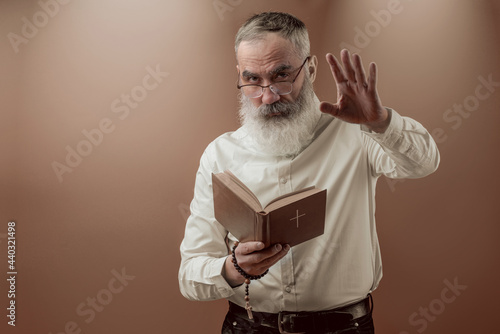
357 98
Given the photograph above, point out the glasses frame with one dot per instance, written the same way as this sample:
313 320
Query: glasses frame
270 86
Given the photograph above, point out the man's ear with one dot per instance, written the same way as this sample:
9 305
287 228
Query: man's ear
312 67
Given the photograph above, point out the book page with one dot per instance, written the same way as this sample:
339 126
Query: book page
245 193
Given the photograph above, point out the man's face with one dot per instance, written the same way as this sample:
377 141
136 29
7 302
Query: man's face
281 125
269 60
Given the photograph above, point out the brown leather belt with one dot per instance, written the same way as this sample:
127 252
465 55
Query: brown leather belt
299 322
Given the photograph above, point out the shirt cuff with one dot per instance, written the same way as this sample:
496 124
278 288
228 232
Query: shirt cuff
225 290
393 132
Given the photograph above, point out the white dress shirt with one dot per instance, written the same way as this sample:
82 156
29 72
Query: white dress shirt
337 268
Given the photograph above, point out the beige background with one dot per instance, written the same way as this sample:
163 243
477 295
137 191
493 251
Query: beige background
123 206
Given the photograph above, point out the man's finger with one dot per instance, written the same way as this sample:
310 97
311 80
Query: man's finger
360 72
270 261
257 262
266 253
250 247
348 68
336 68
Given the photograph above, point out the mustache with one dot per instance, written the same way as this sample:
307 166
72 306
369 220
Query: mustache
283 108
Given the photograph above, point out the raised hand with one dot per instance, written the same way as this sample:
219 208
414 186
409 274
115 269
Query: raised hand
357 98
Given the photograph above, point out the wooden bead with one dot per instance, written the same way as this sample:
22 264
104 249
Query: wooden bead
247 281
247 298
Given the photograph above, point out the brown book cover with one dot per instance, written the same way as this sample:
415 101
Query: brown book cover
290 219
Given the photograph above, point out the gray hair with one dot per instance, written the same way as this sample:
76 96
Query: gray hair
286 25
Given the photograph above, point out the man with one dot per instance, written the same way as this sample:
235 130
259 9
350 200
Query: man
288 141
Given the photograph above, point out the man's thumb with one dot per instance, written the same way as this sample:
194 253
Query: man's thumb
329 108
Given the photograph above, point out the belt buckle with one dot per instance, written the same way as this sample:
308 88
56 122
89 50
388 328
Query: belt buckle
281 322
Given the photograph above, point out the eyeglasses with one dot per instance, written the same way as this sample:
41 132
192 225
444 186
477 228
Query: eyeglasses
280 87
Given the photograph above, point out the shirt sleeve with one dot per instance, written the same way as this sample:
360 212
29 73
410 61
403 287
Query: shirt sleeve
404 150
203 249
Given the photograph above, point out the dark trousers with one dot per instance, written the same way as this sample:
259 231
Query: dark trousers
237 325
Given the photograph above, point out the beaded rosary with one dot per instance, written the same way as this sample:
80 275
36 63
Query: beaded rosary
248 277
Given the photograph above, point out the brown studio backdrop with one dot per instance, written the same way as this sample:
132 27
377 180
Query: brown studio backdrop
122 208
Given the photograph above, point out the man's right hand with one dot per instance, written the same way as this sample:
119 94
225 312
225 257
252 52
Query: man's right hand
254 259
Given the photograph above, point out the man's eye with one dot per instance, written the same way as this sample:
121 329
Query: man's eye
282 76
252 79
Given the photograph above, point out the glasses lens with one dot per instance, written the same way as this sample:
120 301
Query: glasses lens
252 91
282 88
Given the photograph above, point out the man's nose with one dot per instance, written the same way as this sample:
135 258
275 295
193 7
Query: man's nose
269 97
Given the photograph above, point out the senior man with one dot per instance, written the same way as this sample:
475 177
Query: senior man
288 141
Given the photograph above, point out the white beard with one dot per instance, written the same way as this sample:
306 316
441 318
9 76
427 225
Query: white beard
286 134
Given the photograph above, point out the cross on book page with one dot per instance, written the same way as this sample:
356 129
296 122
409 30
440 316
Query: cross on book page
297 217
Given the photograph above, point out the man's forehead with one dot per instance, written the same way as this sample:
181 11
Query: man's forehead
265 54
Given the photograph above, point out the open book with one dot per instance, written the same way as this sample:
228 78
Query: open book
289 219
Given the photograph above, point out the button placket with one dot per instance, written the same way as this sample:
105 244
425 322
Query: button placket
284 177
287 279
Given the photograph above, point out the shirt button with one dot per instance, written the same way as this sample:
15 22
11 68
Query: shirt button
288 289
284 180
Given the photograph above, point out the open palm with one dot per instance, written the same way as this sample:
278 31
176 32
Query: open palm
357 98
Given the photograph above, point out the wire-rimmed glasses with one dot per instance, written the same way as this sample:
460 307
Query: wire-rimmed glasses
280 87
